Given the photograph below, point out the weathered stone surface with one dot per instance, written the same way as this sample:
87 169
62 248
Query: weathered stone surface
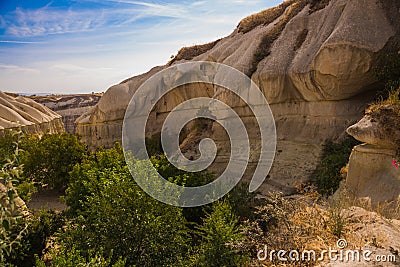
372 175
316 88
32 117
372 232
70 107
380 128
371 171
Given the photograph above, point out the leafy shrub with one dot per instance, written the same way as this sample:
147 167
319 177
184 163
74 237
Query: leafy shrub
40 228
12 145
219 231
51 159
335 156
153 145
13 219
114 214
388 70
73 258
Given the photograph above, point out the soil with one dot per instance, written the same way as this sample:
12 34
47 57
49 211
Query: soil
47 199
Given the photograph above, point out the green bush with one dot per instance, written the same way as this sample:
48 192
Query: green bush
74 258
115 215
388 70
40 228
327 175
52 157
13 219
219 232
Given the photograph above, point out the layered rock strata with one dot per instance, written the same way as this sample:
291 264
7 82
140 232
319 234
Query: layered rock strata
70 107
313 62
30 116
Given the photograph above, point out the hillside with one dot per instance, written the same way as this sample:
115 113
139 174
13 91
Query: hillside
32 117
314 62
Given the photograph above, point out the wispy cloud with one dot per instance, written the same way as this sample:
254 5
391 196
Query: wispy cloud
49 20
18 68
90 45
20 42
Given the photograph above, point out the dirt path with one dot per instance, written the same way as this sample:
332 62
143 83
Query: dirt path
46 199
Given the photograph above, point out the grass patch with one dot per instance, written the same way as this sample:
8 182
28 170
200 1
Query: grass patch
191 52
392 99
264 17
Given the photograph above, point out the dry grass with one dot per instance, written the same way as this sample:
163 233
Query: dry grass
393 100
264 17
188 53
303 223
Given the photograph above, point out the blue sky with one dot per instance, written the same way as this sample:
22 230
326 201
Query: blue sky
81 46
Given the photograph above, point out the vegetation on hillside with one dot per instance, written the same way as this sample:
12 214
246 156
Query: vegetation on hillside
328 174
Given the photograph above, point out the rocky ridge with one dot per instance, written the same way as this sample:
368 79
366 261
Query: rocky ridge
70 107
32 117
313 61
373 166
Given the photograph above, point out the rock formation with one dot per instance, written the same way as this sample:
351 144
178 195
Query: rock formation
372 171
32 117
70 107
313 61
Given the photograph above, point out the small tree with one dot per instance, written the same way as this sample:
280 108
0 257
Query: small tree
52 158
219 231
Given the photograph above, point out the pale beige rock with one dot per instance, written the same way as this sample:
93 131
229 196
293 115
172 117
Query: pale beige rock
70 107
380 128
370 231
371 174
27 114
315 92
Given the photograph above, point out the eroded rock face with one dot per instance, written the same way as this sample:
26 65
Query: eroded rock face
313 65
372 170
369 231
379 128
32 117
70 107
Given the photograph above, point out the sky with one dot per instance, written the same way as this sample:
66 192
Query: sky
84 46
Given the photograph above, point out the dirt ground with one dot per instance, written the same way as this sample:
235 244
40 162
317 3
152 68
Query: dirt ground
46 199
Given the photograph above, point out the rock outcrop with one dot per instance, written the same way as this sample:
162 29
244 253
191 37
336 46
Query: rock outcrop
373 172
70 107
313 61
32 117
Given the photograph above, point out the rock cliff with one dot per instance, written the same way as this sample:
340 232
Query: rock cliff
70 107
31 116
373 166
313 61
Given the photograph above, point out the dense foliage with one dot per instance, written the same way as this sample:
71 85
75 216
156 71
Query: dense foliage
110 220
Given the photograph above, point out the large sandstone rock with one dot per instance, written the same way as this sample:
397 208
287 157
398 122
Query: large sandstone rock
312 62
32 117
370 231
70 107
371 173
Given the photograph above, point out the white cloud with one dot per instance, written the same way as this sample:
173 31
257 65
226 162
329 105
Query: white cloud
114 45
15 68
20 42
